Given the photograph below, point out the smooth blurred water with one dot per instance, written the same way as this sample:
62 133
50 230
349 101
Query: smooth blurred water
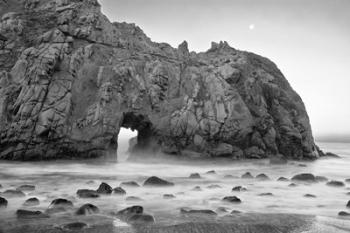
64 178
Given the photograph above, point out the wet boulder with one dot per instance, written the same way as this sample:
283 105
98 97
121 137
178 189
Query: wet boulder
3 202
74 226
321 179
348 205
26 188
282 179
344 213
247 175
195 176
239 189
87 209
32 202
197 212
212 172
265 194
262 177
310 195
156 181
61 202
214 186
126 213
29 214
133 198
292 185
168 196
140 219
119 191
129 184
104 188
232 199
335 183
304 177
332 155
11 193
347 180
87 193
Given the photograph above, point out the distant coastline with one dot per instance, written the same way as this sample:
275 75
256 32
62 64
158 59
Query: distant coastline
333 138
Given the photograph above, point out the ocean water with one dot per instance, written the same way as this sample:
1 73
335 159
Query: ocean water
61 179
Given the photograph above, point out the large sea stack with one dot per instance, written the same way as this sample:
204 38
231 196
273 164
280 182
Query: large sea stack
70 79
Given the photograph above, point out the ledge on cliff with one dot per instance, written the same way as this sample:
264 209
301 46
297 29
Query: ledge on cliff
69 79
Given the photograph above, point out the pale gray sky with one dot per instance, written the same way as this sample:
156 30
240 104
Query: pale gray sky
309 40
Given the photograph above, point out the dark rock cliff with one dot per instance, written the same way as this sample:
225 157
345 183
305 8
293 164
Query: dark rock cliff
70 79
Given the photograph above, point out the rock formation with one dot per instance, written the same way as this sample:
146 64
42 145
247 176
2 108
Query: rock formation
70 79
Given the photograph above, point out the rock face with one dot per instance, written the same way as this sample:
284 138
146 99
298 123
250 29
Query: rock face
70 79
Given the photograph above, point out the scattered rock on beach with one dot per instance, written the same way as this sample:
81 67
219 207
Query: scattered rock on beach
197 212
310 195
305 177
26 187
335 183
247 175
156 181
74 226
239 189
32 202
133 198
126 213
87 193
211 172
168 196
129 184
87 209
282 179
104 188
61 202
330 154
214 186
29 214
13 193
232 199
3 202
348 205
262 176
236 212
344 213
197 188
195 176
292 185
321 179
119 191
265 194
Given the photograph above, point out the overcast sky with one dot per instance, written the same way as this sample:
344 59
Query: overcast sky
309 40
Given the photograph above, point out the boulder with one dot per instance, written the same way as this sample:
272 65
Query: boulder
262 177
211 172
26 187
156 181
197 188
87 209
292 185
87 193
104 189
335 183
347 180
232 199
32 202
119 191
310 195
304 177
168 196
348 205
61 202
137 219
74 226
247 175
197 212
282 179
129 184
239 189
10 193
29 214
195 176
3 202
126 213
344 213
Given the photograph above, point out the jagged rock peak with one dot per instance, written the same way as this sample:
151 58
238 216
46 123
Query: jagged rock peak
70 79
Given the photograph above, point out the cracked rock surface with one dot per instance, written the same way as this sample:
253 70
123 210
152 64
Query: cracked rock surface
70 79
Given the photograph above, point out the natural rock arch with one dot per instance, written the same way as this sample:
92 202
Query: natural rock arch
77 78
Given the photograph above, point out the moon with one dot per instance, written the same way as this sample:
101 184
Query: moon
251 26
